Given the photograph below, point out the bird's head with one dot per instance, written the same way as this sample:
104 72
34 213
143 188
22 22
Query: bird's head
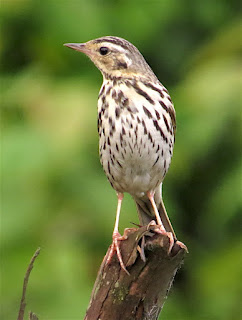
115 57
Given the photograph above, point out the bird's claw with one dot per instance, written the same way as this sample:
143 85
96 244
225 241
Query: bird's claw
171 240
182 245
115 247
159 229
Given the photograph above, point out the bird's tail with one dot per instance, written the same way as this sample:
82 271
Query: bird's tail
146 212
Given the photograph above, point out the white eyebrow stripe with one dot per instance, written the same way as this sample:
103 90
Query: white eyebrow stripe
128 60
113 46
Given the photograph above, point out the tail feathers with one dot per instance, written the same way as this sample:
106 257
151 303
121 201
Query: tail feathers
145 217
146 213
165 219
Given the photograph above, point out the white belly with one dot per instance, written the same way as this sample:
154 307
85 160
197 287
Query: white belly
135 149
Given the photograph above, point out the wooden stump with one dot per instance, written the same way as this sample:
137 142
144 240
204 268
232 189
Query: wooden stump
152 265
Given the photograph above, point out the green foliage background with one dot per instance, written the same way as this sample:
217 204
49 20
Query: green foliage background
55 194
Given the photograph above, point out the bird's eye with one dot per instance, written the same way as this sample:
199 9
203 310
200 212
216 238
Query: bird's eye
103 51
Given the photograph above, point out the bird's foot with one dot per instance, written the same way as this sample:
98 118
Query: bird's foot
181 245
174 244
171 239
161 230
115 247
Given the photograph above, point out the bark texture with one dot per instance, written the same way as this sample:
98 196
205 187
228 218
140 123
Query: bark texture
152 265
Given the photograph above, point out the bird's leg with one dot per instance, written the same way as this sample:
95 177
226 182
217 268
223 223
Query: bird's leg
150 195
117 237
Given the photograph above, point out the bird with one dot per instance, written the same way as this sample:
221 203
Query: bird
136 127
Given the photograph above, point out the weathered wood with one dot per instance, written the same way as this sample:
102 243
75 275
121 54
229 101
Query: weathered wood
140 295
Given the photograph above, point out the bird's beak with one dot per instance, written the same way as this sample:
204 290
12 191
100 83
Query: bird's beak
78 47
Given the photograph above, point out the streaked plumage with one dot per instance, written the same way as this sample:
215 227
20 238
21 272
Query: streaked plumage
136 126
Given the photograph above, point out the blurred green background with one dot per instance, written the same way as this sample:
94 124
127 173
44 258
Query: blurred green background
55 194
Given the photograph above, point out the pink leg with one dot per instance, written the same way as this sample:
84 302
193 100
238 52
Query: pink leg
150 195
117 237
